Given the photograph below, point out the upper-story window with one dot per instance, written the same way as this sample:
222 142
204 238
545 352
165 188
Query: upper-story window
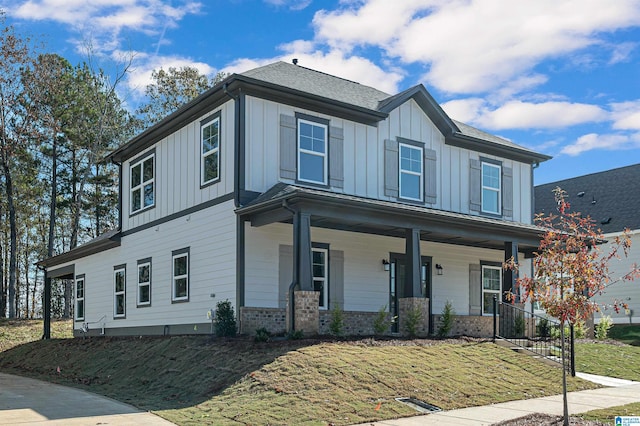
210 150
411 172
142 184
312 152
491 188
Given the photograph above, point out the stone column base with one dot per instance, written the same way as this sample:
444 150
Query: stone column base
306 315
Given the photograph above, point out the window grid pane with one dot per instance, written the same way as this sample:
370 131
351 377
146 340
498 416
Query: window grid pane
491 286
181 277
319 270
210 156
312 152
411 169
142 184
491 188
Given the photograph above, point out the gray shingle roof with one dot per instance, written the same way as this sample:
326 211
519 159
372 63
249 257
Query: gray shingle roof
613 194
318 83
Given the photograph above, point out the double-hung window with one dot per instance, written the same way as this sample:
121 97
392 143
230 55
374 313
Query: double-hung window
80 298
142 184
312 152
210 150
411 172
491 188
144 282
491 285
180 276
320 275
119 291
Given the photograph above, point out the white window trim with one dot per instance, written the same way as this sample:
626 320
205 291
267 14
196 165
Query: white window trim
79 299
317 154
143 284
204 155
490 188
409 172
175 277
143 183
118 293
496 292
325 279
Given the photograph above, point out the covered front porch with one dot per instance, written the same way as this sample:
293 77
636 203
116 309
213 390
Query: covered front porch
374 246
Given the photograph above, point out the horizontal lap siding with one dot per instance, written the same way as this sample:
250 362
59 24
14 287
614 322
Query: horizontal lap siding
211 237
177 171
628 291
366 284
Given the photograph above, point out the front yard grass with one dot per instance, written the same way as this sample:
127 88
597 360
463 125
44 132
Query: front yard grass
610 360
200 380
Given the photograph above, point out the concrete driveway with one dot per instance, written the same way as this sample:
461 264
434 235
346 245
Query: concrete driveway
25 401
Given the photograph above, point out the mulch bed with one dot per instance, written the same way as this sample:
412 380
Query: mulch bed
548 420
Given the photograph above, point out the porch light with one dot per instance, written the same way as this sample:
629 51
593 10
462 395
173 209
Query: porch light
385 264
439 269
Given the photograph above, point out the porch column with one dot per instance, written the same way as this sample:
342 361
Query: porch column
510 276
47 307
302 251
412 250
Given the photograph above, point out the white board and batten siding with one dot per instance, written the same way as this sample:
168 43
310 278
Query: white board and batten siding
365 283
210 235
177 171
364 156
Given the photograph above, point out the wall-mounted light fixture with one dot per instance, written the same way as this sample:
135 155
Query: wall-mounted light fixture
439 269
385 264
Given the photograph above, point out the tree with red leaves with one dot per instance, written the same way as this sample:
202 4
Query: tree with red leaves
570 267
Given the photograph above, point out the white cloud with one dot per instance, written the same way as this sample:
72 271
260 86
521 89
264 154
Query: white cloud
517 114
626 115
291 4
102 21
334 62
476 45
610 142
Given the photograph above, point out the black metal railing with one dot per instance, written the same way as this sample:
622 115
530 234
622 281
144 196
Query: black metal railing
535 333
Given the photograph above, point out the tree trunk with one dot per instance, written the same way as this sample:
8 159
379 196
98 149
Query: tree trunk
13 258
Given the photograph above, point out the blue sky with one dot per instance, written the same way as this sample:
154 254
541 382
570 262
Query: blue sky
558 76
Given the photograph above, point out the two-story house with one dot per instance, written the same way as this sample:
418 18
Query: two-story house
613 208
291 192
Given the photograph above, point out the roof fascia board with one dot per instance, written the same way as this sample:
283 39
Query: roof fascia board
294 97
428 104
487 147
398 217
81 251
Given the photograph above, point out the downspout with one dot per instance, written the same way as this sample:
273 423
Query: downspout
534 166
238 169
294 283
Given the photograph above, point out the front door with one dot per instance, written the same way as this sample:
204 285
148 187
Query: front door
397 277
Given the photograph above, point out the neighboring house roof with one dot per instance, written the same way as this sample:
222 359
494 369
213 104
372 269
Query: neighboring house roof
360 214
102 242
315 90
611 198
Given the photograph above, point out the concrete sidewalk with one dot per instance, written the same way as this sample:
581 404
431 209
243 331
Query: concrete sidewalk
25 401
623 392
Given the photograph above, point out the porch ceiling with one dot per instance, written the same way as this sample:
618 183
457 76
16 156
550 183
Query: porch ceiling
357 214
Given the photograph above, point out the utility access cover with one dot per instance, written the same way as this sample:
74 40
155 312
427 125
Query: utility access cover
421 406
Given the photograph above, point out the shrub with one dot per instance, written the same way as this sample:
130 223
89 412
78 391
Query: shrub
518 325
412 321
336 325
262 335
225 320
579 331
381 322
543 328
603 327
446 321
295 335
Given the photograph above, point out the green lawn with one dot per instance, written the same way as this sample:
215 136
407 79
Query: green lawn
629 334
609 360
